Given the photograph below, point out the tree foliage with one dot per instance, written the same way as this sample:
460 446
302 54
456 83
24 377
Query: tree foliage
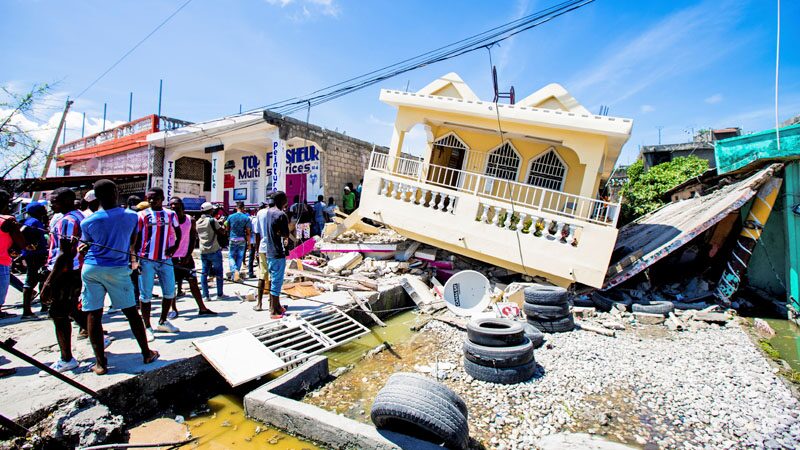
642 194
17 146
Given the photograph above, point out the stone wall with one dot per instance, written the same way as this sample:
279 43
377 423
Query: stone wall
343 158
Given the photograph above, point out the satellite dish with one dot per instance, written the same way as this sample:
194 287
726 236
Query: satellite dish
467 293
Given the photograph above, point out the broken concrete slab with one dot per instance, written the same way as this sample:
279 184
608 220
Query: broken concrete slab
83 422
318 425
583 312
420 293
345 262
649 319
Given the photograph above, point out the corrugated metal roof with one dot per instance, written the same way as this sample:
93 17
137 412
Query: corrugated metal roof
667 229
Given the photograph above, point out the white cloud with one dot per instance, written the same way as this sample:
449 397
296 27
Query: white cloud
648 108
306 9
44 132
676 45
716 98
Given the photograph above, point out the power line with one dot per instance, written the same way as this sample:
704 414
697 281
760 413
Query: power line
475 42
164 22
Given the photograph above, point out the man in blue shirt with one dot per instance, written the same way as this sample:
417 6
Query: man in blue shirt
319 215
34 254
239 227
109 236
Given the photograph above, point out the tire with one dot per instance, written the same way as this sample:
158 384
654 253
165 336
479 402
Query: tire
554 326
499 356
545 295
546 312
429 384
654 307
601 302
507 375
415 411
533 333
495 332
580 300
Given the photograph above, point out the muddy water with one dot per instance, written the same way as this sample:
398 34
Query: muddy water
786 341
226 427
353 392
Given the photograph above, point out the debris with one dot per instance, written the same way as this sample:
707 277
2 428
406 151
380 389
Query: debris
421 294
408 253
763 329
583 312
301 290
674 323
426 254
595 328
365 308
712 317
346 261
648 318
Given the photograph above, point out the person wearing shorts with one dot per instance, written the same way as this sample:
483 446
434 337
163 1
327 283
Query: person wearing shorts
272 233
182 261
108 238
62 288
157 240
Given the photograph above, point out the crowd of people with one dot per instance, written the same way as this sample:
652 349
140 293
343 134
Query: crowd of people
91 249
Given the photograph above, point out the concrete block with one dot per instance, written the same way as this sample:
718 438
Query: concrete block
582 312
345 262
649 319
318 425
303 378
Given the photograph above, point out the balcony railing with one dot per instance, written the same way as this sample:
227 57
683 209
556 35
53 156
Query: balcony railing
147 124
547 200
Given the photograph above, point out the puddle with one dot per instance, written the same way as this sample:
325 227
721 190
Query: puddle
786 341
397 330
226 427
352 393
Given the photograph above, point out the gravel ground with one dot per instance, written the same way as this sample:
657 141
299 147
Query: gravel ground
647 387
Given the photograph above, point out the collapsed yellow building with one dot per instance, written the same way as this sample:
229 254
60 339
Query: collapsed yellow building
512 185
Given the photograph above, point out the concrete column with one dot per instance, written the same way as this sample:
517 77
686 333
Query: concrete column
264 160
590 175
278 159
169 174
396 147
218 176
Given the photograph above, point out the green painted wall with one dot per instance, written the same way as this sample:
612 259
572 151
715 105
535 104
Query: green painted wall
737 152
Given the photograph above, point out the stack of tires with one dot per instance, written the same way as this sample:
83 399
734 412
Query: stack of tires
421 407
498 351
547 309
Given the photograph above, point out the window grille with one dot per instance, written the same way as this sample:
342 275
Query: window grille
547 171
503 163
450 141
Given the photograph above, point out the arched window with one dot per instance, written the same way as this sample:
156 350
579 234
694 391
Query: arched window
547 171
447 160
503 163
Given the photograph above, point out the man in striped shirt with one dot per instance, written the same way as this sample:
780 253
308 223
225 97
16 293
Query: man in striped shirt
62 289
158 239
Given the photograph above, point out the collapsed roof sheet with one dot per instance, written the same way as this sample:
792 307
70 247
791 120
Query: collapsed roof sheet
667 229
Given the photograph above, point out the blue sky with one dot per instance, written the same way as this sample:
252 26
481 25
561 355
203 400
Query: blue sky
678 64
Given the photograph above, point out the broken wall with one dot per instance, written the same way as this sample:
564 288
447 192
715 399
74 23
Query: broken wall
772 253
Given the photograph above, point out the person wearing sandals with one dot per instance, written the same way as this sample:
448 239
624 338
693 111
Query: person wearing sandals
62 288
272 232
109 238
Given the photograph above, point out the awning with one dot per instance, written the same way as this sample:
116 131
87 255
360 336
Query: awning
76 182
665 230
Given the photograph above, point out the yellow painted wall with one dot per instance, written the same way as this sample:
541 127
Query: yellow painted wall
480 144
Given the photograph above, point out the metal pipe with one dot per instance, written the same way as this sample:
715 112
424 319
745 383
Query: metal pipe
15 428
104 116
160 89
130 106
8 346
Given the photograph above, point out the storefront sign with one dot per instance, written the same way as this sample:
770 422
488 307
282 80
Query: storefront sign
169 183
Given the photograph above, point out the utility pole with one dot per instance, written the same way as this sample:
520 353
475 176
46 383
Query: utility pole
160 89
660 127
83 125
50 155
130 106
104 116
